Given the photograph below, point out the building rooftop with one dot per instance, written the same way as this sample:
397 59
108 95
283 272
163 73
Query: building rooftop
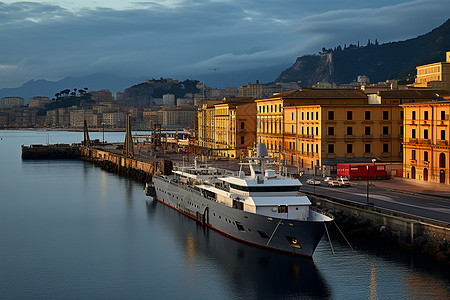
322 94
412 94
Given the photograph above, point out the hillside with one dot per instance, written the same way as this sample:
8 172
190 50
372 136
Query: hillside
141 95
395 60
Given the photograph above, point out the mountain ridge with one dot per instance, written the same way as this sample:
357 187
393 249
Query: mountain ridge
393 60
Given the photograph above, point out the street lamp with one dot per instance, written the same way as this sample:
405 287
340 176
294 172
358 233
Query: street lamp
367 196
103 129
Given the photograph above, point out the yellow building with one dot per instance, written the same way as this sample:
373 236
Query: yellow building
316 135
234 127
205 126
271 116
435 75
426 151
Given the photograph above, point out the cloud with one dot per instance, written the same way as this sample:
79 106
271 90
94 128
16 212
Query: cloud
185 38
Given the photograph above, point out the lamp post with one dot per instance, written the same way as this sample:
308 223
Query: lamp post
103 129
314 180
367 192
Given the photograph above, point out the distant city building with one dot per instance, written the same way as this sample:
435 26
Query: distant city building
251 90
114 119
38 102
184 102
435 75
222 93
77 118
169 100
101 96
363 79
10 102
158 101
118 96
324 85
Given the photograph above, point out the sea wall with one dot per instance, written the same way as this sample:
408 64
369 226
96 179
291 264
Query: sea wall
382 225
126 166
58 151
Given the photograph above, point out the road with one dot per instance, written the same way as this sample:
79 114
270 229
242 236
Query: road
430 207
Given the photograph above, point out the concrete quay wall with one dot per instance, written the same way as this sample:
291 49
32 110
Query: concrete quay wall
126 166
428 237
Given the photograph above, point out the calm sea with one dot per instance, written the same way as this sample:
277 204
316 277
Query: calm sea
69 230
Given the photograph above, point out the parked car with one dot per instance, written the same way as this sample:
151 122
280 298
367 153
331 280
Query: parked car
343 181
312 181
333 183
328 179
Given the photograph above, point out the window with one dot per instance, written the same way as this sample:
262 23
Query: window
385 148
349 148
367 115
442 134
292 116
303 116
413 154
271 108
317 115
425 156
367 130
307 148
330 148
385 115
242 125
303 130
349 115
307 115
413 133
401 115
425 115
401 131
442 160
349 130
279 107
442 115
331 115
425 134
292 128
317 148
317 130
307 130
413 115
367 148
385 130
282 209
330 130
242 140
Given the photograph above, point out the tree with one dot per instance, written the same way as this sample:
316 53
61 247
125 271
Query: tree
376 42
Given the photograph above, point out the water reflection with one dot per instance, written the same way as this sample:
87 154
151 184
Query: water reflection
257 273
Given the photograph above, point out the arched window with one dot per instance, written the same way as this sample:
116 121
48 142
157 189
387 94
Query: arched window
413 173
442 160
425 174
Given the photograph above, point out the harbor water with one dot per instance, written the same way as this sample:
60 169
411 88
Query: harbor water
69 230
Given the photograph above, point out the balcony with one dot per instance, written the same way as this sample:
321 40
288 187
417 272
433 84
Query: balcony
413 140
349 155
367 155
425 141
331 137
442 142
366 137
349 137
385 136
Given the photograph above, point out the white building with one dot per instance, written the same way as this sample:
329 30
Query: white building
169 100
10 102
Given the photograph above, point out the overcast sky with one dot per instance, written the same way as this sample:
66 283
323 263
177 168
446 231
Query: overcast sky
181 39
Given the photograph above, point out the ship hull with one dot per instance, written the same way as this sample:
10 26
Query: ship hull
290 236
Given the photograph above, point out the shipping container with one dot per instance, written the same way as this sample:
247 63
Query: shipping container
362 171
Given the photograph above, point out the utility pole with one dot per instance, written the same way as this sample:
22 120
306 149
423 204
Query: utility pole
215 70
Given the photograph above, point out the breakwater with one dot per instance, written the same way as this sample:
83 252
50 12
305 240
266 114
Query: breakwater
421 235
57 151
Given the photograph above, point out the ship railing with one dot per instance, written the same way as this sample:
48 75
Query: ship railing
185 187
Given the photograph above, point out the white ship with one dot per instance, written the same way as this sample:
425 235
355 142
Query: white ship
264 209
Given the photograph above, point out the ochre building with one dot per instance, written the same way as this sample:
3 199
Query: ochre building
426 150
